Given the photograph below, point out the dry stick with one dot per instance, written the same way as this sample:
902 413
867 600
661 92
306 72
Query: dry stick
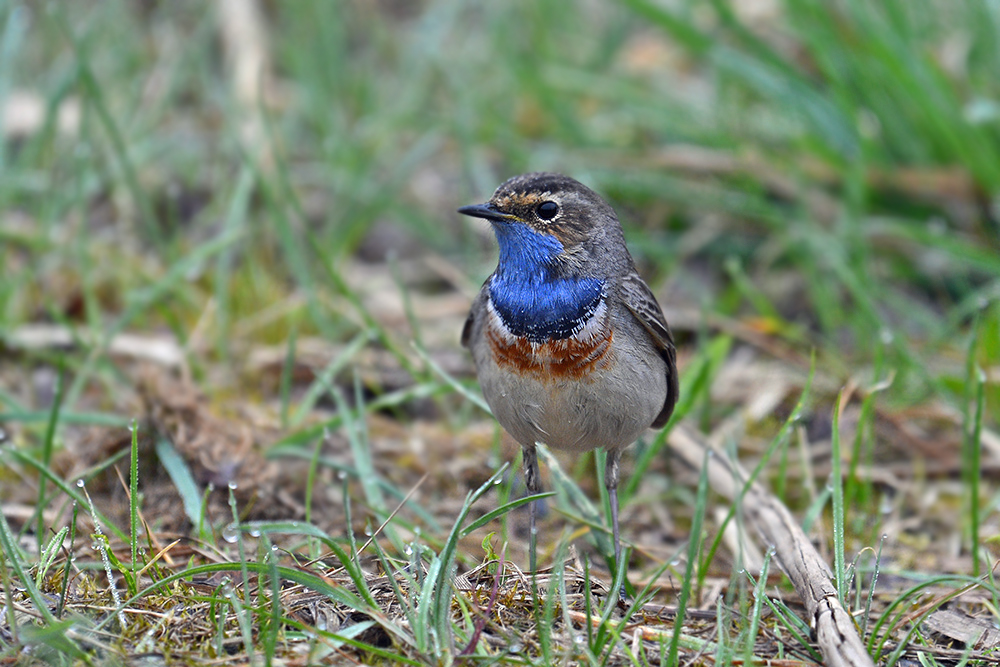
244 34
835 630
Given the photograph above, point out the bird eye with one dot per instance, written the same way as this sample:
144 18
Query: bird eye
547 210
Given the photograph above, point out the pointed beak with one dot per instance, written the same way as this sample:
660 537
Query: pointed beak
486 211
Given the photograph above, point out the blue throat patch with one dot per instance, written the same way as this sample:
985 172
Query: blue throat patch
531 299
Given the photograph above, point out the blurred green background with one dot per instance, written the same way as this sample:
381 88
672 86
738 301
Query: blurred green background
832 166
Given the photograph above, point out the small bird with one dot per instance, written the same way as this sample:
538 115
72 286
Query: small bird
570 345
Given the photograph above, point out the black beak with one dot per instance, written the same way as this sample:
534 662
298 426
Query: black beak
486 211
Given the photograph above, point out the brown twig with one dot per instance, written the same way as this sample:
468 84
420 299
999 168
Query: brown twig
836 633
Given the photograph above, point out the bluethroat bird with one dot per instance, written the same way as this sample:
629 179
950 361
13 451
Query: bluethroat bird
570 346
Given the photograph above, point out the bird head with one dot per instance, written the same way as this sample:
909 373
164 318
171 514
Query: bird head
548 220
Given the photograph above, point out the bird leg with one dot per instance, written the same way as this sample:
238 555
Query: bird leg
532 481
611 483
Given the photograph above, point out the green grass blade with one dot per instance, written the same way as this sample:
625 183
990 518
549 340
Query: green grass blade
837 507
180 474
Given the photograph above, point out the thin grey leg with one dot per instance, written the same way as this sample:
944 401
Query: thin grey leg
533 482
611 482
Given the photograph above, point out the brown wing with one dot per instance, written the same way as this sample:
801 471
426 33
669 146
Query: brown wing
639 299
477 310
467 328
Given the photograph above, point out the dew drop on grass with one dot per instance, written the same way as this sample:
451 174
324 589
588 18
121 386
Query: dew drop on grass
408 550
79 483
254 532
341 475
231 533
233 486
